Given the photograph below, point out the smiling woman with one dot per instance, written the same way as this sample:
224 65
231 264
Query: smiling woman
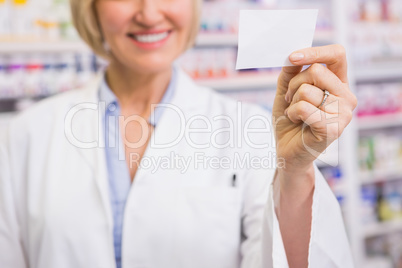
102 177
145 35
88 25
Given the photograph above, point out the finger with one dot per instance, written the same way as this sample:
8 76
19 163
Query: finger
302 111
321 123
285 77
315 96
334 56
280 104
319 76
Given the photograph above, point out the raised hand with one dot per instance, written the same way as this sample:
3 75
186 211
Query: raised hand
304 128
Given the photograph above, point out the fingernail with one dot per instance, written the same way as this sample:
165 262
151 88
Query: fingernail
296 56
286 112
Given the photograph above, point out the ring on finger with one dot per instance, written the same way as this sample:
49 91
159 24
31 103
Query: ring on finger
326 94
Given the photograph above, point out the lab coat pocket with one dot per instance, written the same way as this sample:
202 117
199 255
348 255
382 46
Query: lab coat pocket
209 222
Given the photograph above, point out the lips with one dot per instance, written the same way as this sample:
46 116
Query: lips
148 38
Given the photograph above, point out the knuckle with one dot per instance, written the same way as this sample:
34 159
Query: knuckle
302 109
353 100
315 69
333 131
304 92
340 50
348 116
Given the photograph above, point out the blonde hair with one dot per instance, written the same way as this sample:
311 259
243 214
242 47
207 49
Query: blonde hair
85 20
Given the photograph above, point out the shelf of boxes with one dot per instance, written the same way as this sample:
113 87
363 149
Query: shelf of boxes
378 64
216 39
379 73
42 46
383 228
380 121
380 175
241 82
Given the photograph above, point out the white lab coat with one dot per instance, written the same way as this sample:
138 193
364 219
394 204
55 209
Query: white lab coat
54 199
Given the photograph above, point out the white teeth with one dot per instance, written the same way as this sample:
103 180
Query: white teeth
150 38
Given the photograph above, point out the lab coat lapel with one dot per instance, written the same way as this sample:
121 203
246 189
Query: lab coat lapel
187 95
186 102
87 126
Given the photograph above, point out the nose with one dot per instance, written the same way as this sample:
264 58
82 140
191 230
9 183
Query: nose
149 13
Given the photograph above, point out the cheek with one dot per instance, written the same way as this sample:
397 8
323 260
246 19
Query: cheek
113 15
181 13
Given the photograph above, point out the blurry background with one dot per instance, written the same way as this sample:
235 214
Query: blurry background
41 55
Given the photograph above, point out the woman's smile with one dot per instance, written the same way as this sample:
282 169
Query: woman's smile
150 39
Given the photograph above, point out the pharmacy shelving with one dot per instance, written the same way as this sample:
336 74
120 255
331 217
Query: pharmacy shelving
33 46
380 121
375 61
382 228
391 71
241 82
216 39
381 175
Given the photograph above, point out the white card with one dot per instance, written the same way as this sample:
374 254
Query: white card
268 37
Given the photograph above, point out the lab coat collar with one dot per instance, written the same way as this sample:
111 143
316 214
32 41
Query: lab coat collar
185 95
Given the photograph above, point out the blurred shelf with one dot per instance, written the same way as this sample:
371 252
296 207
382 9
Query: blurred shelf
379 121
216 39
376 26
383 228
381 175
324 36
241 82
231 39
42 46
378 73
31 96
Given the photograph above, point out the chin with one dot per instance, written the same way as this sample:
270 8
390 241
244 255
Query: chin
151 68
147 65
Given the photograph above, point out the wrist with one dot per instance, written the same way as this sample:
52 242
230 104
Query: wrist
293 189
298 179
